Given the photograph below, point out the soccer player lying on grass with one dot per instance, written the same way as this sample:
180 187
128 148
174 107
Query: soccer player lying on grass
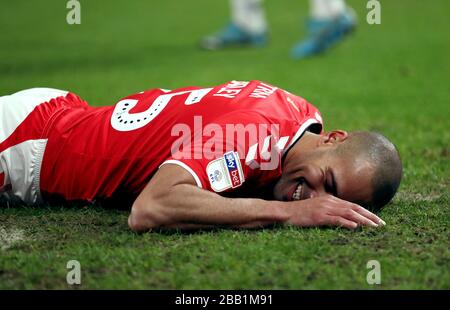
242 154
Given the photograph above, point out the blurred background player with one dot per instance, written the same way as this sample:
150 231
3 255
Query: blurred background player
328 23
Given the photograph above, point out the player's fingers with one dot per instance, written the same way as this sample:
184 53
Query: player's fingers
354 216
357 208
366 213
342 222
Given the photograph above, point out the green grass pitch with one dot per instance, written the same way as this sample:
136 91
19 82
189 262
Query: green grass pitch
393 78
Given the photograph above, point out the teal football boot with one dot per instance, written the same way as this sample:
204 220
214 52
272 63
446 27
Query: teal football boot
231 36
322 34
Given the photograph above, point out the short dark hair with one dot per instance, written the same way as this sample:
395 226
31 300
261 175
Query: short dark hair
383 157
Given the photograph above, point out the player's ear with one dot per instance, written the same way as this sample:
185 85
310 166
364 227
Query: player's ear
333 138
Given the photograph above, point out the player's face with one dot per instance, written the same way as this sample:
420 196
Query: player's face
321 171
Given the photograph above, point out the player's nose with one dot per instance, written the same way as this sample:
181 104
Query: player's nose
314 187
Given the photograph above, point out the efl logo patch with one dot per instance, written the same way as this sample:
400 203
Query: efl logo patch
225 172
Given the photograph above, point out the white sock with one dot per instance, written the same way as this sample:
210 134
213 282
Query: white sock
249 15
326 9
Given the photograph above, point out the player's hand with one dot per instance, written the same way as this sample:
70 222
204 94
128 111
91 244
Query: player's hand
329 210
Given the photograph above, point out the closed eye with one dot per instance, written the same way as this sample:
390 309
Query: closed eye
333 184
330 183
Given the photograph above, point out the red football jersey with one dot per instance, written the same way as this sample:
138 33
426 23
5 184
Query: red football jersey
227 137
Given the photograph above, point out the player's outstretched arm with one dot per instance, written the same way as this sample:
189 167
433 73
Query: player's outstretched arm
172 200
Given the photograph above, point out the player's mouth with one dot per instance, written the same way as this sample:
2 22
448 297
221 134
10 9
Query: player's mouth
298 192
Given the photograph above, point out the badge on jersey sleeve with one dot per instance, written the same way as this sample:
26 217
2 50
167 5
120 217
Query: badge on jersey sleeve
225 172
